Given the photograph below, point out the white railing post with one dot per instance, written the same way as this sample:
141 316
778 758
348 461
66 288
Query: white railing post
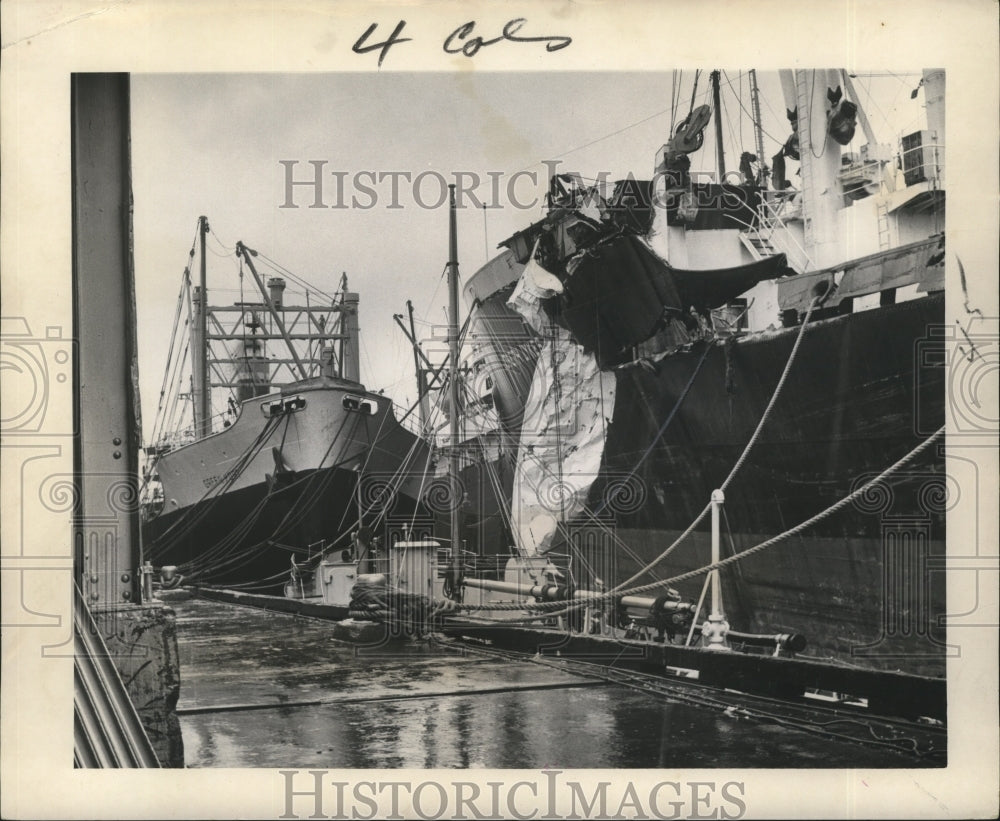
714 631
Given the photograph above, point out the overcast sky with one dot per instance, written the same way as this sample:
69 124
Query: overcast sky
213 144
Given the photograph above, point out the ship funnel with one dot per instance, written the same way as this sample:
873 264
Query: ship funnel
276 287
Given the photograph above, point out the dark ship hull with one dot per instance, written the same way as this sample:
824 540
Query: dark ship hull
248 537
652 305
860 584
291 478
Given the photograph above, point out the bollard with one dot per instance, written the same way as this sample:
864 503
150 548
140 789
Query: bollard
147 581
715 630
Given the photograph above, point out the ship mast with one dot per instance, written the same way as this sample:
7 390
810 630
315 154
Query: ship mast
758 129
720 154
350 329
421 390
201 389
806 95
456 513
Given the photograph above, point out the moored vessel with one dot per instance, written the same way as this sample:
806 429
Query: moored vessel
649 343
301 457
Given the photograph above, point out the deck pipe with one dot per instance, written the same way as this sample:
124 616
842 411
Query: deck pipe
637 607
558 592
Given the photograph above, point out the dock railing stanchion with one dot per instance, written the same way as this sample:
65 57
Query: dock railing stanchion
714 631
147 582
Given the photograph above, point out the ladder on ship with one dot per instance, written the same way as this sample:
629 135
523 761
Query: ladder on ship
758 244
882 213
769 236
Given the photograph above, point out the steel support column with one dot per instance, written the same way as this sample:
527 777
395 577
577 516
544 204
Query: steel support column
107 552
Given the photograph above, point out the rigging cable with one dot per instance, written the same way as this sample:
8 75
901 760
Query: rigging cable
170 355
834 508
185 283
188 324
229 553
675 96
212 494
812 95
309 495
746 450
694 91
295 278
750 115
175 402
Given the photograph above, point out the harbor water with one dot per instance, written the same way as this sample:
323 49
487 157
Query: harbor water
263 689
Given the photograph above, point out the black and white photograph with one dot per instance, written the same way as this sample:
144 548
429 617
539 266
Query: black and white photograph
557 410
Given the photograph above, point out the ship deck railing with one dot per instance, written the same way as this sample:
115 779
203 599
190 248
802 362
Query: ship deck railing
185 436
408 419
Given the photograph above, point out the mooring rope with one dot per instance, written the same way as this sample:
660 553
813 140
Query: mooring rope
834 508
792 356
617 591
787 534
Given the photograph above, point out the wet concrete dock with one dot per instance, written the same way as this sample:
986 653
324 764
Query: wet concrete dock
264 689
307 668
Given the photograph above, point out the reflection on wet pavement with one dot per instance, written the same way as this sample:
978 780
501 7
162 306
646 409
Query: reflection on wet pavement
262 689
